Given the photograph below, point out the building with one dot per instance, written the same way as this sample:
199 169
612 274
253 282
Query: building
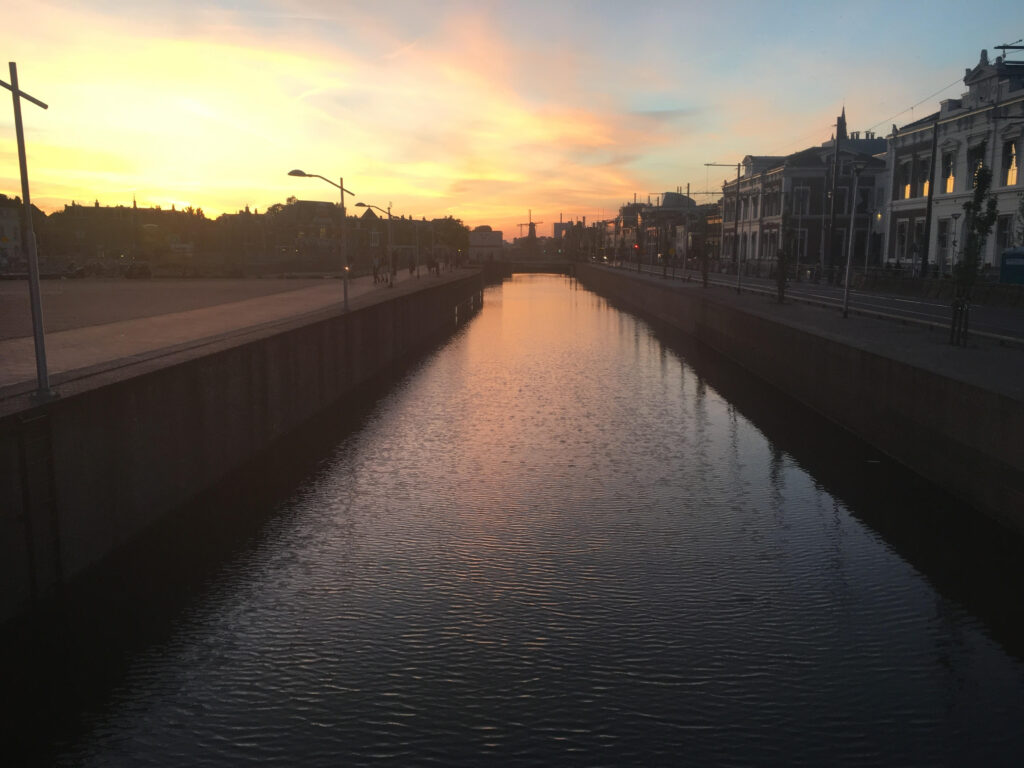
485 244
786 203
12 255
933 161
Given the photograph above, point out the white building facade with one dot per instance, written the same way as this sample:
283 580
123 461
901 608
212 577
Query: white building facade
932 163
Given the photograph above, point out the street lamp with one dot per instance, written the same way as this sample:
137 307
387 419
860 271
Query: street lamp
344 242
876 229
858 166
391 254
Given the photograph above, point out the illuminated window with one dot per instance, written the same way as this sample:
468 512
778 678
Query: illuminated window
948 162
1010 162
906 175
923 174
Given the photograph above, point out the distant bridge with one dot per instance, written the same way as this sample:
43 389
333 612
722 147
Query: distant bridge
496 270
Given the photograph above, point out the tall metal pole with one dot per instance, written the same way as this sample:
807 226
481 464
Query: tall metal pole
736 237
344 238
43 391
849 246
840 132
344 241
925 246
391 251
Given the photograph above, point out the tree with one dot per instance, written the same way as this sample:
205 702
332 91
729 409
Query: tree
452 234
979 217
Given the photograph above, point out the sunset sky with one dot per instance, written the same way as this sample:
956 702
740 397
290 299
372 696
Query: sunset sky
479 110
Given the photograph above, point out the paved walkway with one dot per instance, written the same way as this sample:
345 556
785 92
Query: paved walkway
79 352
983 363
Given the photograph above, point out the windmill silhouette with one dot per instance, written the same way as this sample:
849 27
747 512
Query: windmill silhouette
532 231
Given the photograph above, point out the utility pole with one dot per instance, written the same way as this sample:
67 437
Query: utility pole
736 232
840 133
43 391
931 194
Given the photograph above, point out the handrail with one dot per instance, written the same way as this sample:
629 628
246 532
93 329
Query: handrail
1002 340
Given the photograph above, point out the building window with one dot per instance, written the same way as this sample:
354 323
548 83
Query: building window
942 257
375 239
948 176
801 201
975 159
901 240
918 245
1004 233
863 199
1010 162
906 171
923 172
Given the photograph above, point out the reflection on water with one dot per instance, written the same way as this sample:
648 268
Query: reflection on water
565 538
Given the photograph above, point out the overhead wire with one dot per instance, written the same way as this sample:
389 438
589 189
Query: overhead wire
914 106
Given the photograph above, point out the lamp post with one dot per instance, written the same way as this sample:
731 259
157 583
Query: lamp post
391 254
344 240
858 166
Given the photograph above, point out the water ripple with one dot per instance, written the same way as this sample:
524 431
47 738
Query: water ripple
554 542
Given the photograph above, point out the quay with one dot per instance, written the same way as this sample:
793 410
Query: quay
153 410
954 415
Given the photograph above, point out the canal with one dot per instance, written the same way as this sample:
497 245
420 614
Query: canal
565 536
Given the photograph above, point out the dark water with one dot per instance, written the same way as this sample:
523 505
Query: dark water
567 538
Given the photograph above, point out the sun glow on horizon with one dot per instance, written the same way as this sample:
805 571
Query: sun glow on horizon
453 109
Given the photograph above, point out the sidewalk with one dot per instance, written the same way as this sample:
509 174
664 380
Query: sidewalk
79 352
983 363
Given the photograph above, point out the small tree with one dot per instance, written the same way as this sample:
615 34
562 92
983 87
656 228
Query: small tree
979 217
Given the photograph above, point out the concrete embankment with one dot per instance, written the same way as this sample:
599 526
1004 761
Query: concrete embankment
953 415
128 443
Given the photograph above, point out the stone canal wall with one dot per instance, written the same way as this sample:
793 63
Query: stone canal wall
963 437
118 450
